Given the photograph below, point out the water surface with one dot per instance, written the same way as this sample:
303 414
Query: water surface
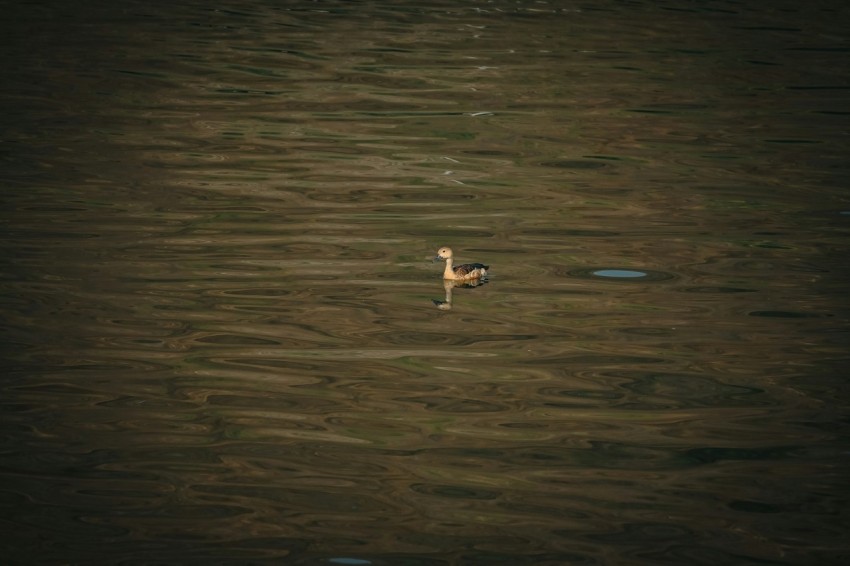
225 341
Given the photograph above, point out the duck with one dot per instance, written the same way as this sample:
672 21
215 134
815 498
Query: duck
464 272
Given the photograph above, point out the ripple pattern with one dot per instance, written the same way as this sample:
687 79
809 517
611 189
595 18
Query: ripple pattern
220 341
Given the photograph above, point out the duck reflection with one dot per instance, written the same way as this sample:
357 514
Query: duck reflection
449 285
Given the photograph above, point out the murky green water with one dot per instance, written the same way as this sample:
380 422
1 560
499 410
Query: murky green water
225 342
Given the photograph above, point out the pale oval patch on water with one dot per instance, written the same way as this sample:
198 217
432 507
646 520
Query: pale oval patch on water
619 273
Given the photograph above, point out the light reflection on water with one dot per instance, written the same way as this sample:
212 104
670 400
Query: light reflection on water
220 325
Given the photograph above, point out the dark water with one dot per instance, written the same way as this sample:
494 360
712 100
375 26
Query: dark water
220 340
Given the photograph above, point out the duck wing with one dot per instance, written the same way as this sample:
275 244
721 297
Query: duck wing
467 268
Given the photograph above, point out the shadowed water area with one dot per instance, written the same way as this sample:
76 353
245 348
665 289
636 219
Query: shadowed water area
225 342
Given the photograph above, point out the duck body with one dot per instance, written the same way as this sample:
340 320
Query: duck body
463 272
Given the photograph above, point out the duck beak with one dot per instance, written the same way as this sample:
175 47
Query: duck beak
436 258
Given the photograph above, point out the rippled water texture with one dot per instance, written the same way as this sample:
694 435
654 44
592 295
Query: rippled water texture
225 342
